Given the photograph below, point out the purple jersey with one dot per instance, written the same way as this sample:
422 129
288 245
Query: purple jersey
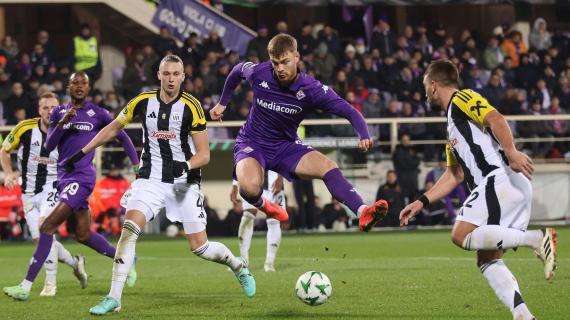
76 134
276 112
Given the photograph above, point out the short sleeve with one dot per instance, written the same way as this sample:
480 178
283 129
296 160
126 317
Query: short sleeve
12 140
473 105
198 118
128 112
449 156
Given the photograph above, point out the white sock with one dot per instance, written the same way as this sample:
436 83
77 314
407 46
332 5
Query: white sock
245 232
50 265
218 252
26 285
124 258
360 209
273 240
493 237
63 255
506 287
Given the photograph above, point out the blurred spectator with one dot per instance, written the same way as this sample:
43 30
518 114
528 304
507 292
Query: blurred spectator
18 100
439 35
138 74
105 202
406 164
511 105
372 108
383 38
324 64
192 51
85 54
306 43
340 83
562 91
541 93
540 38
49 48
213 43
258 45
164 43
10 47
527 73
305 198
10 206
514 47
493 91
391 191
39 57
329 36
559 128
435 213
281 27
416 131
333 216
453 199
493 55
536 129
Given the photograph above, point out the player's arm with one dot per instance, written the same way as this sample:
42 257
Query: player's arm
518 161
448 181
129 148
199 138
55 127
234 192
12 142
277 185
241 71
330 102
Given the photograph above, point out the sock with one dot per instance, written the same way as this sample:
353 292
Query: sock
51 264
342 190
63 255
98 243
256 201
38 259
506 287
218 252
273 240
493 237
245 232
124 258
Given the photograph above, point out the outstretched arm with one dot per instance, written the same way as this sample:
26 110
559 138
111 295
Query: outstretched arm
241 71
109 132
128 146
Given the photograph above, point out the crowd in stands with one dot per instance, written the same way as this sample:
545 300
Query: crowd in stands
519 74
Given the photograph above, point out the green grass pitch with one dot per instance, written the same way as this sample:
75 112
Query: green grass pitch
381 275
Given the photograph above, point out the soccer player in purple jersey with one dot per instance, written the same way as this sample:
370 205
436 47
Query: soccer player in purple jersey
268 140
71 127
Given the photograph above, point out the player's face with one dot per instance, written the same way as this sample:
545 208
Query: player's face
431 89
78 86
171 75
285 66
46 105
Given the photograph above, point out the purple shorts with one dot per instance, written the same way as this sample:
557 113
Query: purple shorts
282 157
75 193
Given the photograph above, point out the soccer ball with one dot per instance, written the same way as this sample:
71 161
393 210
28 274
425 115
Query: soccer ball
313 288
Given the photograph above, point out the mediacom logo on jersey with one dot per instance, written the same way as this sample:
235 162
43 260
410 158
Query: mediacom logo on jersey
283 107
164 135
82 126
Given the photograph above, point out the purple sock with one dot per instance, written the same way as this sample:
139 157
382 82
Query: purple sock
98 243
40 256
255 201
342 190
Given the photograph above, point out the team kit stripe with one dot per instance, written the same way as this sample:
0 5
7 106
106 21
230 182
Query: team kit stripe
493 206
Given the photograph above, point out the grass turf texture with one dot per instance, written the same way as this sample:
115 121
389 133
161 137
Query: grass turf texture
387 275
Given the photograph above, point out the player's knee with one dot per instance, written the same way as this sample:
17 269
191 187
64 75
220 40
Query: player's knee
458 238
328 165
81 236
47 228
250 192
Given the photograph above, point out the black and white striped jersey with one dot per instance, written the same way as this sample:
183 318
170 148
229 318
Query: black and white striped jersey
471 144
167 130
37 166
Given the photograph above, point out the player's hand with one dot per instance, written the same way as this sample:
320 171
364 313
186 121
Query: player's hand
10 181
233 195
69 164
410 211
179 168
70 114
277 185
520 162
365 144
217 112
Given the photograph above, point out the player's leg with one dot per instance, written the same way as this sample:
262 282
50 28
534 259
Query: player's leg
135 221
249 173
245 231
315 165
503 282
273 242
218 252
93 240
45 240
493 237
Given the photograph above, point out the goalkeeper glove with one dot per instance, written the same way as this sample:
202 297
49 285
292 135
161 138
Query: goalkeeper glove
180 167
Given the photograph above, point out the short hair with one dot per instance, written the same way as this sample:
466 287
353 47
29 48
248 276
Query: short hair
171 58
280 44
80 73
49 95
444 72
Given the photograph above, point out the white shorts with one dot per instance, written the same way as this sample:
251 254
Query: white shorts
501 199
183 202
38 207
277 198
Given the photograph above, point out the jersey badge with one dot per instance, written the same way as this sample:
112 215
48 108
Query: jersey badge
300 94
